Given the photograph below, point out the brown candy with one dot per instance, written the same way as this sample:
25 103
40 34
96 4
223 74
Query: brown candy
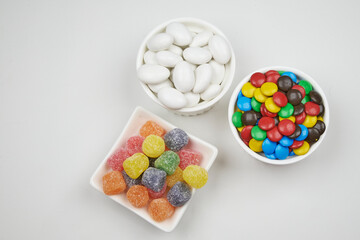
294 97
285 83
296 133
298 109
313 135
320 125
322 110
315 97
249 118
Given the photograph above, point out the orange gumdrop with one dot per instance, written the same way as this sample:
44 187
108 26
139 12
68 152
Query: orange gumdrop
113 183
138 196
160 209
151 128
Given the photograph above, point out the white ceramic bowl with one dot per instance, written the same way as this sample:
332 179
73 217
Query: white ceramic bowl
261 157
194 24
137 119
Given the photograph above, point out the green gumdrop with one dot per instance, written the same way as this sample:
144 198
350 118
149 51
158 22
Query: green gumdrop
255 104
286 111
236 119
168 162
306 85
257 133
305 99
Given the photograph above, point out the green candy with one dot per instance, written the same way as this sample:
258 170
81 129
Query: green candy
236 119
305 99
257 133
168 162
281 72
255 104
286 111
306 85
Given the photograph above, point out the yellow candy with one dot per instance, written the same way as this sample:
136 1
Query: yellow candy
319 118
271 106
240 128
238 110
177 176
153 146
256 145
303 149
309 121
195 176
135 165
248 90
291 118
269 88
259 96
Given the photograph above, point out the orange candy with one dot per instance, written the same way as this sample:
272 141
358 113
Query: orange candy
160 209
113 183
138 196
151 127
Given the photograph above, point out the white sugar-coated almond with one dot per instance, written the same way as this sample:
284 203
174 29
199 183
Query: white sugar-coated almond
175 49
211 92
219 49
195 28
183 77
150 57
153 73
192 99
172 98
167 58
203 76
201 39
197 55
182 36
160 41
156 87
193 66
218 72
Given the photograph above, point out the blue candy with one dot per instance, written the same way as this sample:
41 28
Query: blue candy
304 133
240 94
179 194
291 153
286 141
154 179
281 152
130 181
244 103
268 146
291 75
270 156
176 139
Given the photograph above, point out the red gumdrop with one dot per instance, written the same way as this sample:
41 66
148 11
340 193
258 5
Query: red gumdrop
286 127
280 99
312 109
266 123
257 79
155 195
296 144
299 119
115 161
188 157
134 145
266 112
246 133
301 90
274 135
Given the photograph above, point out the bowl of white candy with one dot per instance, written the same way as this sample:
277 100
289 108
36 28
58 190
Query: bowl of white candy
186 65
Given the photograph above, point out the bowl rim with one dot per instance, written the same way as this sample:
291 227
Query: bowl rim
302 76
225 87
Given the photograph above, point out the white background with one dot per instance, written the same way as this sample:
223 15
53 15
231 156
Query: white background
68 85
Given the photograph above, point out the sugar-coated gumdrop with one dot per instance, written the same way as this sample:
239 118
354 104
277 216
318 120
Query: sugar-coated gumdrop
134 145
195 176
115 161
113 183
135 165
177 176
130 181
151 128
154 179
138 196
179 194
168 161
189 157
160 209
176 139
153 146
160 194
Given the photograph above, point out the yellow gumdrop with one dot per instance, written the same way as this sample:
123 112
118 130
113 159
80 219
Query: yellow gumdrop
195 176
259 96
309 121
303 149
177 176
320 118
135 165
291 118
256 145
271 106
248 90
153 146
240 128
269 88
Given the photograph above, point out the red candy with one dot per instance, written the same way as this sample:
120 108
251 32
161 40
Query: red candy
280 99
301 90
257 79
246 134
274 135
312 109
299 119
188 157
266 112
134 145
116 160
155 195
286 127
266 123
297 144
272 76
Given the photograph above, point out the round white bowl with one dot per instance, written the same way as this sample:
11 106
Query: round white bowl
261 156
194 25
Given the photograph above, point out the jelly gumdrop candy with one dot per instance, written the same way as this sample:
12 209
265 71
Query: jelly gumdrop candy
116 160
189 157
160 209
168 161
134 145
177 176
113 183
195 176
160 194
153 146
138 196
176 139
179 194
151 128
130 181
154 179
135 165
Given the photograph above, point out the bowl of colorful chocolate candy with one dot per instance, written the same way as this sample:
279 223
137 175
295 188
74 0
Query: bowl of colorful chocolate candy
154 168
279 115
186 65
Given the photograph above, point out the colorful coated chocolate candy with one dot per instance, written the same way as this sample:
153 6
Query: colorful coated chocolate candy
279 114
